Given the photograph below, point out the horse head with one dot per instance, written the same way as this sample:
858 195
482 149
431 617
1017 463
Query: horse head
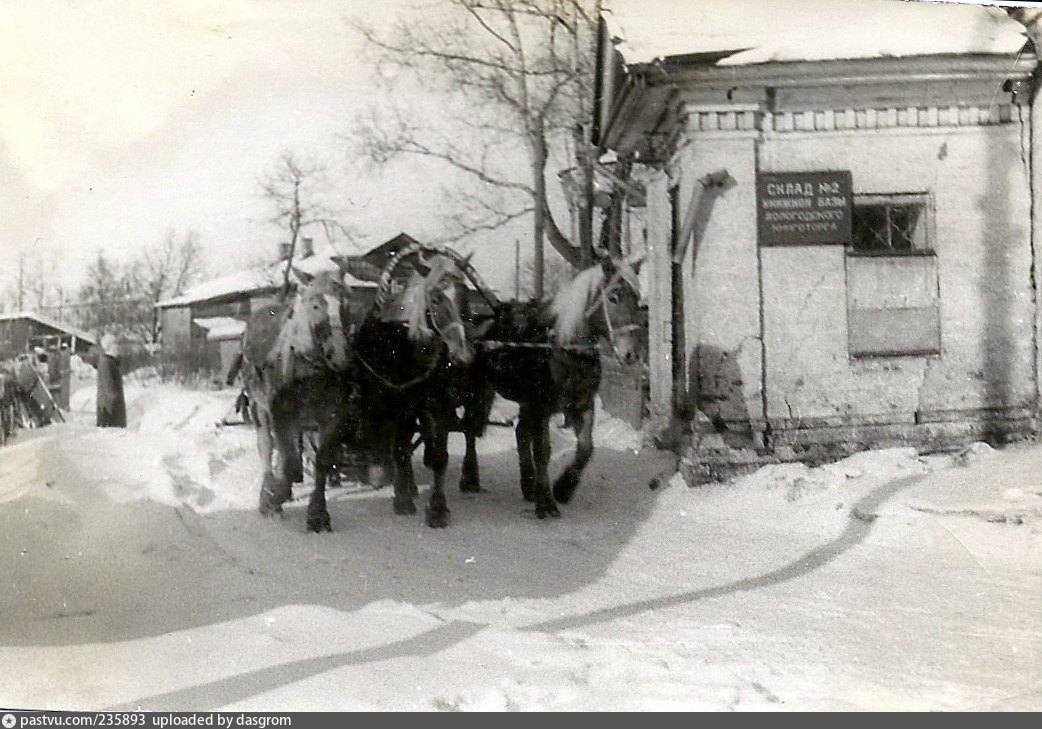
623 319
435 306
319 321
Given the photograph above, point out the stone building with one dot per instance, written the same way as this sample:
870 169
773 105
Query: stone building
840 207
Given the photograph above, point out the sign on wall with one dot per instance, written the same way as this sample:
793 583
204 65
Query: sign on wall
804 208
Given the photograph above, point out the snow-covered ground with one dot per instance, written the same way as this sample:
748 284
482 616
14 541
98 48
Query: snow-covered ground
138 574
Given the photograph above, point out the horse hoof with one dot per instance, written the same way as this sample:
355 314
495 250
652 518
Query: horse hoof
437 519
564 489
404 508
319 523
268 505
469 484
541 512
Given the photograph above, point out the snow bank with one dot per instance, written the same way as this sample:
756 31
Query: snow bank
173 451
796 480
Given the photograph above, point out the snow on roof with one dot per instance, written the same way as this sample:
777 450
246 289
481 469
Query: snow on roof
252 279
761 31
259 279
221 327
47 321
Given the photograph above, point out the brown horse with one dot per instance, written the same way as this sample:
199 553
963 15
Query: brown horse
295 354
545 357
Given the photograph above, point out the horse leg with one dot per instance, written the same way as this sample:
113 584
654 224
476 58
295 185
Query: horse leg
469 480
438 507
380 457
523 433
290 468
544 500
288 439
475 420
269 484
404 482
328 440
568 482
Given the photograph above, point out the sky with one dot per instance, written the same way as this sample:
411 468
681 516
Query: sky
120 121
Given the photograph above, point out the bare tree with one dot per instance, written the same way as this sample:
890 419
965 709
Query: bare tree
35 284
163 271
295 191
556 273
523 70
106 299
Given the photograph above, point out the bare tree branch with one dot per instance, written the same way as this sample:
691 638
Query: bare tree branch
523 65
294 189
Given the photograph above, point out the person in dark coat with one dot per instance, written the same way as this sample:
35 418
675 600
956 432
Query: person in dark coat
112 408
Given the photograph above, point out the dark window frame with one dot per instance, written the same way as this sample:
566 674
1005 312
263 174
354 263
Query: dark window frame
920 243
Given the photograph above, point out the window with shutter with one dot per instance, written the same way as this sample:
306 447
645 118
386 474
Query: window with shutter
892 285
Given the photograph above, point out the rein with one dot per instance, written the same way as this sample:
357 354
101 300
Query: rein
602 300
613 330
496 344
398 385
415 380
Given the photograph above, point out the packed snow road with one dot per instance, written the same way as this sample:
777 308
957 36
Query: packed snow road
137 573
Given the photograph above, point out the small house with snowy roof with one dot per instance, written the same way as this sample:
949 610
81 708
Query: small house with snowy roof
840 213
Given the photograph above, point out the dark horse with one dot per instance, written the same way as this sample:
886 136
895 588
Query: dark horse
413 365
544 356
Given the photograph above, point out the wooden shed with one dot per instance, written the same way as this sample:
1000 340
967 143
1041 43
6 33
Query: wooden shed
47 345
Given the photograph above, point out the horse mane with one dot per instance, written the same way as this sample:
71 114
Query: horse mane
294 347
416 299
569 307
414 307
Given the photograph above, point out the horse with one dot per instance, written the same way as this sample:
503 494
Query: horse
294 357
544 356
414 369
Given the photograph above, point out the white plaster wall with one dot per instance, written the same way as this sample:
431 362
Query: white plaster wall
979 179
722 294
658 297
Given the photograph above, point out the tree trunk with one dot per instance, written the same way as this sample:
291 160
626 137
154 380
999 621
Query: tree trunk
584 206
539 214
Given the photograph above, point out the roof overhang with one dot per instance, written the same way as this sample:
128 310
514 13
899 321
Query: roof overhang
646 103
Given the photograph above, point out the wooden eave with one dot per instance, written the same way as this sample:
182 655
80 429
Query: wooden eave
643 107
